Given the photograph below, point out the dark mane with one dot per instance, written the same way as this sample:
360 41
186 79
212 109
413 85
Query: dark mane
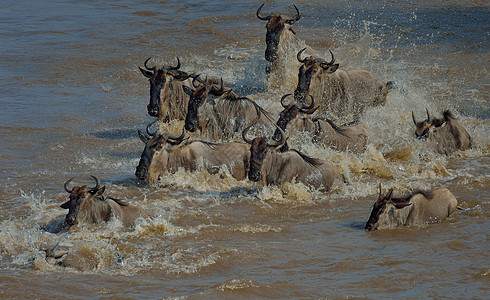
120 202
447 115
312 161
407 198
206 143
236 101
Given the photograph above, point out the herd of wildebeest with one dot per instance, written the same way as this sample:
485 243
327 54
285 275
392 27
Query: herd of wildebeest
222 121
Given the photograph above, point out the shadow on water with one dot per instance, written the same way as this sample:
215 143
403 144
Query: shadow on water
116 134
355 225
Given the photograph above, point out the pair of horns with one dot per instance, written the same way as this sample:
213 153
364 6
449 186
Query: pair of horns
289 21
97 184
210 87
279 143
168 137
154 68
304 109
323 63
428 117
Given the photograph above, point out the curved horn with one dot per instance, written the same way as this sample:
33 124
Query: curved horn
295 18
413 119
308 109
176 67
298 56
266 18
97 183
221 89
284 98
66 185
281 141
380 192
428 116
148 68
148 129
244 134
194 81
333 57
176 140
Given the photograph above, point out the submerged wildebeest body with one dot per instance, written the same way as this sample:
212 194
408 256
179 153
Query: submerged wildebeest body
270 167
164 154
342 95
415 209
281 47
323 131
168 101
218 113
443 135
90 206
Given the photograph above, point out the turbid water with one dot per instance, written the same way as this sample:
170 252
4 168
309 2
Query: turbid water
72 100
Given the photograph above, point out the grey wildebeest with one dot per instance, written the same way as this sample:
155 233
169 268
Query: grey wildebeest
415 209
323 131
342 95
218 112
270 167
167 98
89 205
444 135
165 154
281 47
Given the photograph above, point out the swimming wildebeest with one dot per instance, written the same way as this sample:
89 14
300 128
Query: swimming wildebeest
90 206
270 167
444 135
322 131
415 209
282 46
341 94
218 113
167 98
165 154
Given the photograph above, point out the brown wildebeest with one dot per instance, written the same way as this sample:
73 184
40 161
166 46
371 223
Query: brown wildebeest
89 205
341 94
165 154
218 113
167 98
282 45
415 209
443 135
323 131
275 168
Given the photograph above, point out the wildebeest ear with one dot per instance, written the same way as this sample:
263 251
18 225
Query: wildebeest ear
65 205
331 68
143 137
188 90
100 191
146 73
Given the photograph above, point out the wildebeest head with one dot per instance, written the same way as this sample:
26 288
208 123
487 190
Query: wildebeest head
80 198
311 66
422 128
383 209
154 144
198 97
259 149
157 78
290 112
275 26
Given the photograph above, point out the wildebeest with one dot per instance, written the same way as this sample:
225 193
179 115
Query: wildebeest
218 112
270 167
167 98
282 45
323 131
342 95
415 209
444 135
165 154
90 206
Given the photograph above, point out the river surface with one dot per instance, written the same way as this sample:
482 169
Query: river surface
72 99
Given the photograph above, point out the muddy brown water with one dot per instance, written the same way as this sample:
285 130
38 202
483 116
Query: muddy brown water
73 99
